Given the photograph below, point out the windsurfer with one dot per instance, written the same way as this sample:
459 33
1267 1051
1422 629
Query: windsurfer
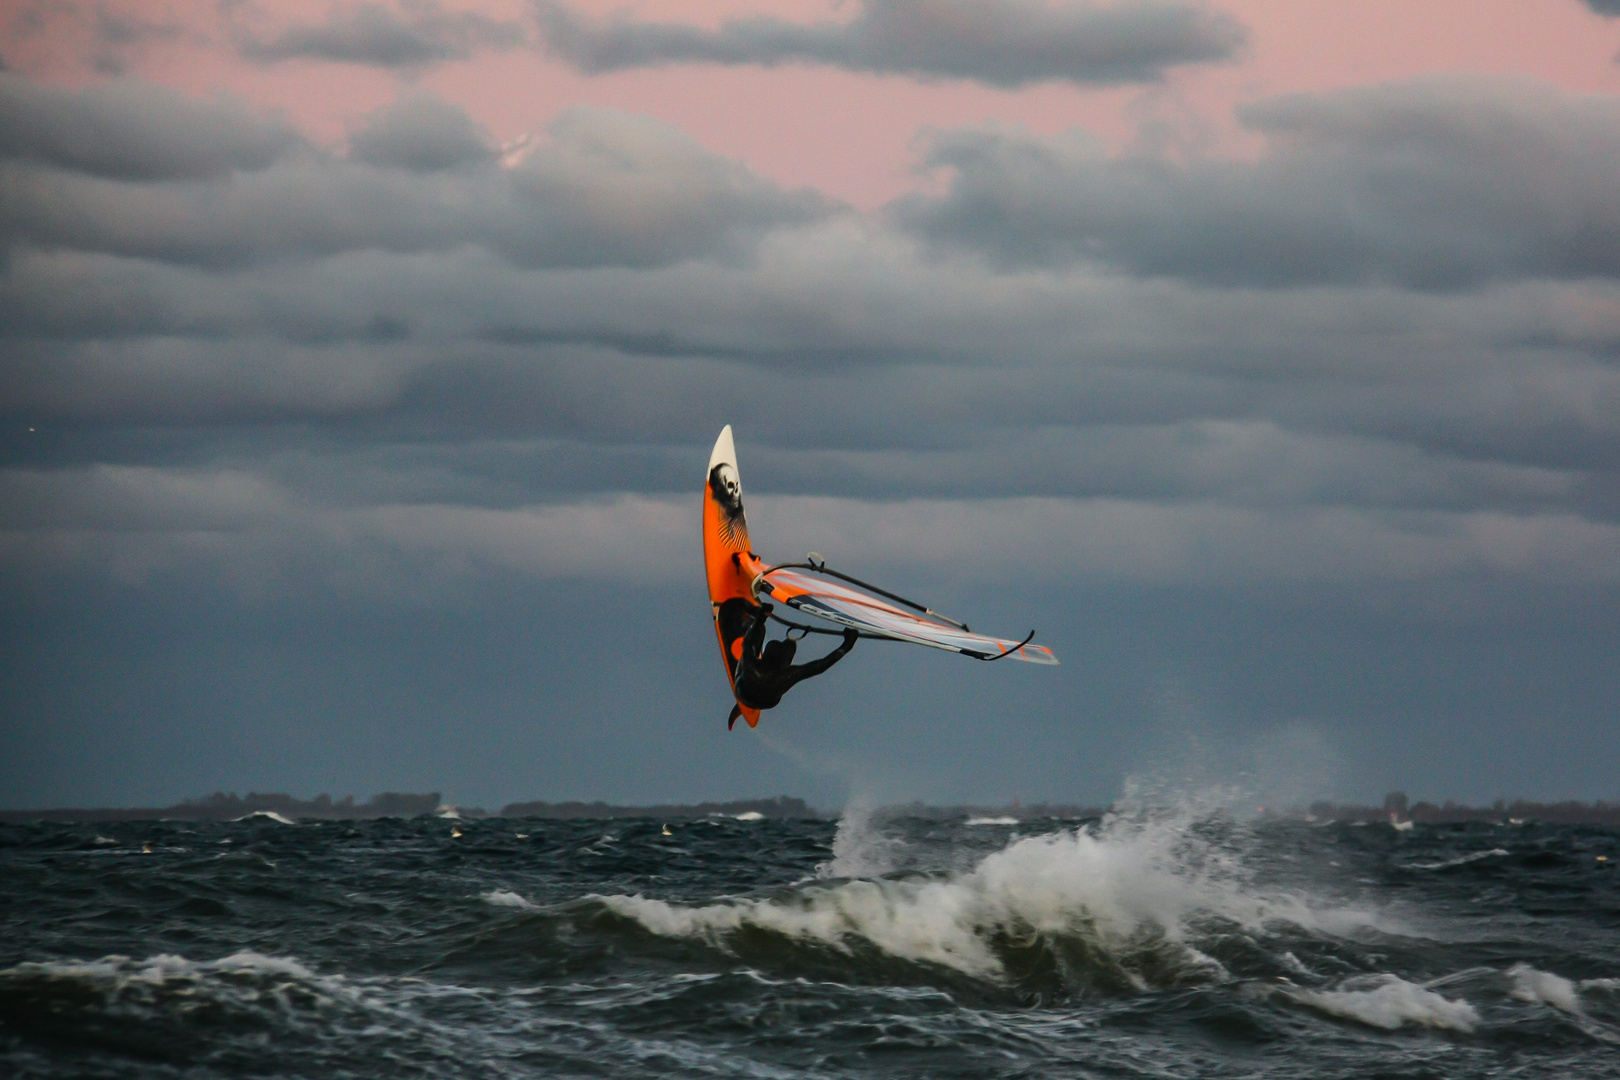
762 671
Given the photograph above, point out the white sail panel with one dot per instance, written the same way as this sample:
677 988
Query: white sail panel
848 606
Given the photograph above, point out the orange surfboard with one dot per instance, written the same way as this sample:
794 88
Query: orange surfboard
732 566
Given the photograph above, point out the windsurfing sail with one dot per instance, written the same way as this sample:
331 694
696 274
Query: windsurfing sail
810 590
738 579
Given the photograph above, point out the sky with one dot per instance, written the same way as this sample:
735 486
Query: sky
361 363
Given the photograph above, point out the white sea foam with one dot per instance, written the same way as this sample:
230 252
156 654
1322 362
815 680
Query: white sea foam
1122 885
504 898
991 821
1390 1002
1555 990
750 815
119 971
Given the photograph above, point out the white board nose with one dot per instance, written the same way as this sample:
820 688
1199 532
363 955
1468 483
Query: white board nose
724 451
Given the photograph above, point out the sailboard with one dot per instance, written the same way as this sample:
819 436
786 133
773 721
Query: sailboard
730 562
735 573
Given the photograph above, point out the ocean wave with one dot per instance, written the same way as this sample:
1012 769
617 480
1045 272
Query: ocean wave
118 972
147 997
1389 1002
504 898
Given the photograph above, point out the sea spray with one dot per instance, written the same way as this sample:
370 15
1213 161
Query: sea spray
860 848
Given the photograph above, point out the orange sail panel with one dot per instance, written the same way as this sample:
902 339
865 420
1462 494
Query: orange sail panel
848 606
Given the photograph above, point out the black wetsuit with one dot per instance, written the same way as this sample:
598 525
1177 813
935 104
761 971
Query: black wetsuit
763 674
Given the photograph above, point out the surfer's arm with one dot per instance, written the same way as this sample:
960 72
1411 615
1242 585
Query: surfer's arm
816 667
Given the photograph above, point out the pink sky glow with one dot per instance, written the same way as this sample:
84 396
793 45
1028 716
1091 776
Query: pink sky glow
854 136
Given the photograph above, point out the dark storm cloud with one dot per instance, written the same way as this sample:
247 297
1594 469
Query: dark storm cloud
1002 42
421 132
427 362
1605 7
127 130
850 350
606 189
1438 184
375 35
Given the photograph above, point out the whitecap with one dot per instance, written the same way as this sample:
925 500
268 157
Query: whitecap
505 898
1119 886
1390 1002
1461 860
1543 986
269 815
992 821
750 815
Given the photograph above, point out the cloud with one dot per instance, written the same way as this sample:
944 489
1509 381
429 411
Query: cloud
873 372
122 28
375 35
127 130
249 533
607 188
1608 8
421 361
1432 184
421 132
617 188
106 33
1004 43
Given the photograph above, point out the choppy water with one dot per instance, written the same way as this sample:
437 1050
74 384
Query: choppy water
1157 945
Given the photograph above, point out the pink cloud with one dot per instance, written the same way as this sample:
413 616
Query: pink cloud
851 134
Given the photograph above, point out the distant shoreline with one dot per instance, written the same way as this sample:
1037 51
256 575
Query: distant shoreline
231 807
1398 810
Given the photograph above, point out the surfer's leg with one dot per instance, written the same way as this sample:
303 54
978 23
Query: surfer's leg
755 639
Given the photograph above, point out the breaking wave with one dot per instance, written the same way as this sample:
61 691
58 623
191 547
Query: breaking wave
1137 902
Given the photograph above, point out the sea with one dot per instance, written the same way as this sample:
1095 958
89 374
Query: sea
1152 942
